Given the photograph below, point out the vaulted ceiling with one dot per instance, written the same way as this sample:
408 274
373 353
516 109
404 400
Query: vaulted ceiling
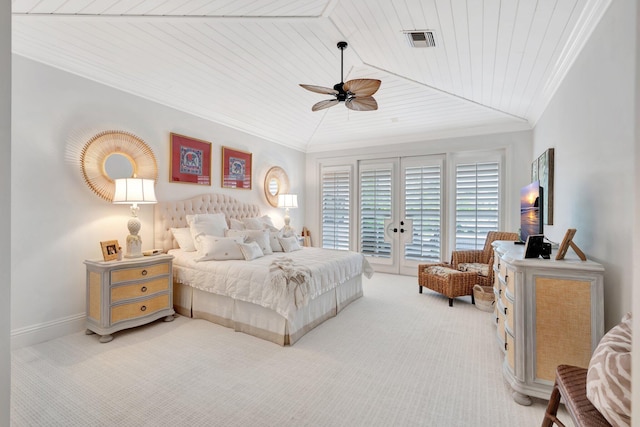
494 68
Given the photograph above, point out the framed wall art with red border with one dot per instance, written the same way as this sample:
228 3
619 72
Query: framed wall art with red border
236 169
190 160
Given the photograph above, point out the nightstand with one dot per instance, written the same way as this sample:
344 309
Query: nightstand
129 293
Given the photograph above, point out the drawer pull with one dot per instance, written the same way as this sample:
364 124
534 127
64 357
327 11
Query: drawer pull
143 289
144 272
505 311
143 308
506 346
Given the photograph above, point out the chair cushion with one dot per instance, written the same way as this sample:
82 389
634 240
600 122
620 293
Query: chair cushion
438 270
609 374
476 267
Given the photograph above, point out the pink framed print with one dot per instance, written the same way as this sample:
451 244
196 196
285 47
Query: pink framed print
190 160
236 169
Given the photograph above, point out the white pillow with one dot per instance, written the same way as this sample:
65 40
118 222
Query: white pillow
259 236
275 242
250 250
253 223
219 248
235 224
289 244
206 224
259 223
184 239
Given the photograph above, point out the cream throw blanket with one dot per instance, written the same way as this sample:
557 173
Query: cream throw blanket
290 278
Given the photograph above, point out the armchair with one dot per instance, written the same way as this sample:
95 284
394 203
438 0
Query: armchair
480 261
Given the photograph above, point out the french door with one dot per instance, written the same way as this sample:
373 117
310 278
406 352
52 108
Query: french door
400 210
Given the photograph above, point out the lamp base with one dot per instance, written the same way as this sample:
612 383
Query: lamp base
134 242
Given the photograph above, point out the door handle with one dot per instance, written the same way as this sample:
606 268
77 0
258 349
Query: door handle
395 230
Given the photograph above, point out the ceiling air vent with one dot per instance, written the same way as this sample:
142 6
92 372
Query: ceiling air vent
424 38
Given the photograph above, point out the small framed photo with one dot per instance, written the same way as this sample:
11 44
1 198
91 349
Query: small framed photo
190 160
110 249
236 169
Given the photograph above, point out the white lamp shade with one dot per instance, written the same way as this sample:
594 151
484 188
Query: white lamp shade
287 200
134 190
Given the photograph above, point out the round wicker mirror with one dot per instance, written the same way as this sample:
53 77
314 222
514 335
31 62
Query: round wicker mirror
276 182
115 153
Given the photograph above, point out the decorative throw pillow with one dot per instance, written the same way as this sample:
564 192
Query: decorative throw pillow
274 239
207 225
184 239
219 248
250 250
289 244
236 224
609 374
259 223
259 236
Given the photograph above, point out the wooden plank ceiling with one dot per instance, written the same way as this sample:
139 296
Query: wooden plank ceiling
495 66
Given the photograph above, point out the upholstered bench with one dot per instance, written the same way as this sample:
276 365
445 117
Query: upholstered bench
443 278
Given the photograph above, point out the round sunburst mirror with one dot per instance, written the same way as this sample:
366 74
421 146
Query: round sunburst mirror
276 182
115 154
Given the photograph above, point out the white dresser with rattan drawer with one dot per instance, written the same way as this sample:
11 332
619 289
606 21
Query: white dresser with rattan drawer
129 293
548 312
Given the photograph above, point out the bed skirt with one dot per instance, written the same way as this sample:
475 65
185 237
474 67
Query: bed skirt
261 322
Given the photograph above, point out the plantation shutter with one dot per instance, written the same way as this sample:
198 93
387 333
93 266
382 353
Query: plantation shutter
375 207
477 203
422 204
336 184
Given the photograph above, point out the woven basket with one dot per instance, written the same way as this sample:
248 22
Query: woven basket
484 297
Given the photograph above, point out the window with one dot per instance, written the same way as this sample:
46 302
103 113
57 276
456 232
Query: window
477 203
336 184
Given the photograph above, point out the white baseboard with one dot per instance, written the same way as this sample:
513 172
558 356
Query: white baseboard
42 332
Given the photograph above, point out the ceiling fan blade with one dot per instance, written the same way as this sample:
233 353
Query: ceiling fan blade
362 87
320 89
324 104
364 103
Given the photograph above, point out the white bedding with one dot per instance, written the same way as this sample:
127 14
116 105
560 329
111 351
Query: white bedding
250 281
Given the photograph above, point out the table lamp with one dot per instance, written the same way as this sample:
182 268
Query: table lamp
287 201
134 191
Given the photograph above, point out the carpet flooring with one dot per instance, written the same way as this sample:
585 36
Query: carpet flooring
391 358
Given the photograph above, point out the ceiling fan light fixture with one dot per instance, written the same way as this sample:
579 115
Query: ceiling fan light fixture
355 93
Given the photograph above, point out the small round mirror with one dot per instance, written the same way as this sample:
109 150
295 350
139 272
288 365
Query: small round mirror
118 165
275 182
274 187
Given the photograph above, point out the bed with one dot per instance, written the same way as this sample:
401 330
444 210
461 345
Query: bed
244 295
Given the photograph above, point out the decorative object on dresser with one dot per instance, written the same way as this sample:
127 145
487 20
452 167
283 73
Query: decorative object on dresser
568 241
110 250
236 169
276 182
548 313
134 191
287 201
125 294
115 154
190 160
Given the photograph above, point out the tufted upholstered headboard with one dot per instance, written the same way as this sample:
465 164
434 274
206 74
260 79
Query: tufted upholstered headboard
169 215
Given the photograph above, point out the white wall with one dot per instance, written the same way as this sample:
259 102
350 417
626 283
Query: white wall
5 212
58 222
516 147
590 123
635 409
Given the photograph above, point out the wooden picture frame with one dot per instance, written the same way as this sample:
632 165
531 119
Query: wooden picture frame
110 249
568 241
236 169
190 160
